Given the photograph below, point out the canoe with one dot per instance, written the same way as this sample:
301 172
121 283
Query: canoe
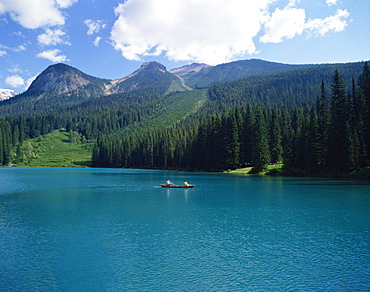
177 186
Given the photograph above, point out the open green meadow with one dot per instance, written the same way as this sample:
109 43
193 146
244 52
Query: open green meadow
56 149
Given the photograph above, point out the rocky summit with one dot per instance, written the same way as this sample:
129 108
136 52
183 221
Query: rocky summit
6 94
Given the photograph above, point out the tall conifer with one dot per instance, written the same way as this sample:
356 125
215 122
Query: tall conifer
261 154
364 93
323 125
339 145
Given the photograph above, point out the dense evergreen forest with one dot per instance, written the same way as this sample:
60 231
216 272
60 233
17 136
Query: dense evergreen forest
331 136
319 128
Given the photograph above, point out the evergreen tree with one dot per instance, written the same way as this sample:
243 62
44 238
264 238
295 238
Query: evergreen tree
364 97
358 128
261 154
276 149
247 134
233 145
339 145
323 125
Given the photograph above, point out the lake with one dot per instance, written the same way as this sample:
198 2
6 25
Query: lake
70 229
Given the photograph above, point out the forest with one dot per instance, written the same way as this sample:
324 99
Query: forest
331 136
320 129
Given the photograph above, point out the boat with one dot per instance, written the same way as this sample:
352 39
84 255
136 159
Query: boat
178 186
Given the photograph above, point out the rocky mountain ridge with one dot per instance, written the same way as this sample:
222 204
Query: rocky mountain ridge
64 80
189 69
7 93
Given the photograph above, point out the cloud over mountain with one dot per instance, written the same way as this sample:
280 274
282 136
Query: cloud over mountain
211 31
52 55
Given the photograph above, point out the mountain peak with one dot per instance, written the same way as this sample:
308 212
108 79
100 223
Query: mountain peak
62 78
6 94
153 65
58 77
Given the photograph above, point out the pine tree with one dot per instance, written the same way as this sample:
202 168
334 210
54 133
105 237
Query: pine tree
246 147
261 154
364 96
357 123
341 159
233 145
276 149
323 125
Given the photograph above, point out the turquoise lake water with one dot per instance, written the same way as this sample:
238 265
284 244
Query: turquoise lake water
65 229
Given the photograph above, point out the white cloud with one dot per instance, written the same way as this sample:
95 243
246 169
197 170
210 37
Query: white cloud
36 13
19 48
52 55
15 69
53 37
14 49
96 41
199 30
331 2
19 34
2 53
94 26
65 3
14 80
334 23
29 81
285 23
212 32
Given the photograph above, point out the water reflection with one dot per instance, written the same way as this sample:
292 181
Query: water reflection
178 192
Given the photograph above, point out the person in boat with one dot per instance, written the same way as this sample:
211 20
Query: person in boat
168 182
186 183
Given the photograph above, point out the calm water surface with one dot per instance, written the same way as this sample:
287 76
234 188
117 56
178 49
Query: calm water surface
64 229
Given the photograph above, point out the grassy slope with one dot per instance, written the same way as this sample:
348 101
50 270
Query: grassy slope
54 149
175 109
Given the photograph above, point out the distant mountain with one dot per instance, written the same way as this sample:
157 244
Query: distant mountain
150 76
6 94
63 79
205 77
293 88
189 69
62 87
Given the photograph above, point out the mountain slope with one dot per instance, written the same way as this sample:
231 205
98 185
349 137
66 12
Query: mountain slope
61 87
235 70
58 87
6 94
291 89
150 76
189 69
63 79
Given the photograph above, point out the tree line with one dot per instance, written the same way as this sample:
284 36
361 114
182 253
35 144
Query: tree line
332 136
329 135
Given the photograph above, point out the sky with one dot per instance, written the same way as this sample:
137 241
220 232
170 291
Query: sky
112 38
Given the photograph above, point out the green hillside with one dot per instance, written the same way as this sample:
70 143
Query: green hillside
236 70
56 149
303 118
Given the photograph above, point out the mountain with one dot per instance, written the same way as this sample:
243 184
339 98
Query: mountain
189 69
208 75
6 94
61 87
63 79
150 76
294 88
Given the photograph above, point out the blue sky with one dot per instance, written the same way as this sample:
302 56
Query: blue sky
112 38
